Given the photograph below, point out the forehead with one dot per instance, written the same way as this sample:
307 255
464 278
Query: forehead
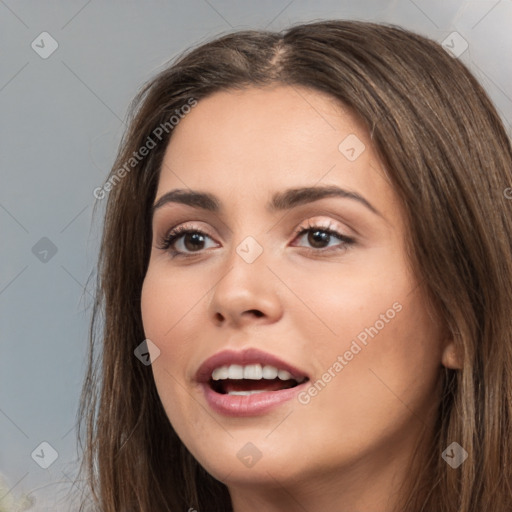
235 143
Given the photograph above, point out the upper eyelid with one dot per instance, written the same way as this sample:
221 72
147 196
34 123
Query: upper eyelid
350 221
309 223
156 220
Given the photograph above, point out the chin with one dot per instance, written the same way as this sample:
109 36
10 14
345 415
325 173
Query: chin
252 458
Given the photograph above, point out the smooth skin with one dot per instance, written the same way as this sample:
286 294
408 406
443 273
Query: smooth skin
304 299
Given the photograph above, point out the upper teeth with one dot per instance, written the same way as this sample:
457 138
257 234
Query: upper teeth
253 372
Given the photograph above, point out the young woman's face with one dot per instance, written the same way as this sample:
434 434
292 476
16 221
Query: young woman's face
336 305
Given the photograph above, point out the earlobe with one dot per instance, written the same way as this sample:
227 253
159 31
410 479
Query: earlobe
451 358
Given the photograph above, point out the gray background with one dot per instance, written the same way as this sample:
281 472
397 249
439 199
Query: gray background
61 121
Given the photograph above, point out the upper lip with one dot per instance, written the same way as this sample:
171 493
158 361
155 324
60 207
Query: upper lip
244 357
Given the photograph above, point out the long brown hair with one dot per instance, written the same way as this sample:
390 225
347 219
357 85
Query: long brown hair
447 155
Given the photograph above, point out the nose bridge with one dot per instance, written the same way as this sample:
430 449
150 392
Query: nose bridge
246 269
246 283
247 252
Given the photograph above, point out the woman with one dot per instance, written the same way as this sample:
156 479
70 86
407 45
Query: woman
308 237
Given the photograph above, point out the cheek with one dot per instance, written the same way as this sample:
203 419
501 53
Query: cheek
154 307
166 307
377 322
384 367
169 302
340 303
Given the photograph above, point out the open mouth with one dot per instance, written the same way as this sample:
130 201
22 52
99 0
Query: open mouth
249 387
248 383
251 379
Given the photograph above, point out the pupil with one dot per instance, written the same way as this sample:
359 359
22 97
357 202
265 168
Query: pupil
318 237
196 240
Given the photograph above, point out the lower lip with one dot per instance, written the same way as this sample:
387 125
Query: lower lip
249 405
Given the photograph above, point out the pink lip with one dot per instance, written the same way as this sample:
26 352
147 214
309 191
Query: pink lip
250 405
247 356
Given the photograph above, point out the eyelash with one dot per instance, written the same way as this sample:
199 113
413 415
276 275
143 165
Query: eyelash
167 242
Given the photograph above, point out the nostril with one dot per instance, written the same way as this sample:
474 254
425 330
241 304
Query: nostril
256 312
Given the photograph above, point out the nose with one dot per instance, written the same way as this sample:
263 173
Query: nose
245 294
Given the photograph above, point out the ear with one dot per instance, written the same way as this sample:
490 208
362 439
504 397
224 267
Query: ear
451 357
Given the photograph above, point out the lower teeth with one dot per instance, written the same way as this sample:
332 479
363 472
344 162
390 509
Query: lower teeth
245 393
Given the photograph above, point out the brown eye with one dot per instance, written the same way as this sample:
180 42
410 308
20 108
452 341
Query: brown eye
320 238
193 241
183 241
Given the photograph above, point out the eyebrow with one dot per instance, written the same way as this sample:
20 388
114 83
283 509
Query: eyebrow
280 201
